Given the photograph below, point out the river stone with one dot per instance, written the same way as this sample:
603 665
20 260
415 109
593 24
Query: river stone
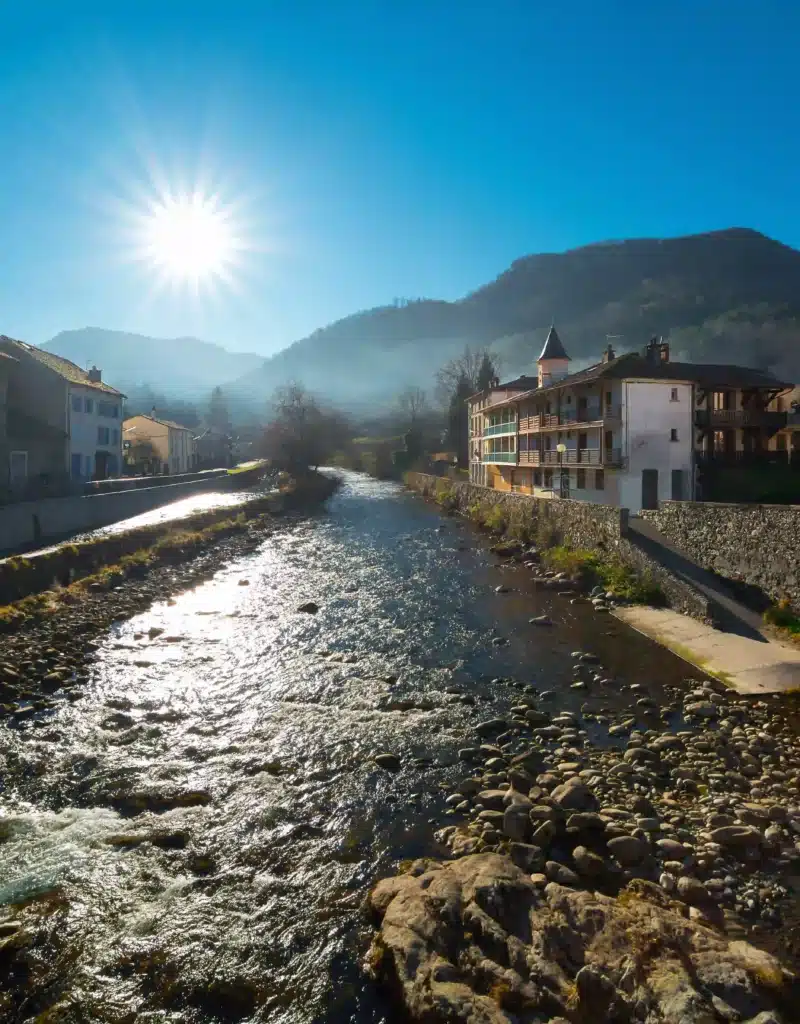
544 834
587 863
516 822
527 857
492 799
490 726
574 795
737 836
469 753
585 821
311 607
595 991
492 818
391 762
703 709
541 620
561 874
671 848
690 890
469 787
628 850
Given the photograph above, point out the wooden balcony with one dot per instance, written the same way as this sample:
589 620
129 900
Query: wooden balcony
721 419
572 457
573 418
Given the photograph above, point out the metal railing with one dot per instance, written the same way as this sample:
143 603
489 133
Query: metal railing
499 457
568 418
500 428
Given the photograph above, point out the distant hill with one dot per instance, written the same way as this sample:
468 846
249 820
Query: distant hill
182 367
723 296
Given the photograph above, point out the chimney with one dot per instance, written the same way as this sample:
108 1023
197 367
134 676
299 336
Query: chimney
494 382
609 354
657 351
153 412
94 375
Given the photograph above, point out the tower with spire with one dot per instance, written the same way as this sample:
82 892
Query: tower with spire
553 362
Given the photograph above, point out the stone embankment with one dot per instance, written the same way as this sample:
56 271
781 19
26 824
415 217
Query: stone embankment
613 867
758 545
579 524
46 652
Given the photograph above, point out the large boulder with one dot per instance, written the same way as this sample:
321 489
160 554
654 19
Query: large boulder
475 941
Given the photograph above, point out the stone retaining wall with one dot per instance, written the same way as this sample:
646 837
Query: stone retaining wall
754 544
580 524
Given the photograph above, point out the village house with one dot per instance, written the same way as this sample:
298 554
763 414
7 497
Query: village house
630 431
163 446
61 422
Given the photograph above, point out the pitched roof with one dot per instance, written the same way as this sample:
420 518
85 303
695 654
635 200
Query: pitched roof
63 367
523 381
553 349
154 419
632 365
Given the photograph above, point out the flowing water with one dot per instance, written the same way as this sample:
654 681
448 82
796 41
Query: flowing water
195 835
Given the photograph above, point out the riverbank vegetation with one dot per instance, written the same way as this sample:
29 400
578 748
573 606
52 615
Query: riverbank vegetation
784 620
518 524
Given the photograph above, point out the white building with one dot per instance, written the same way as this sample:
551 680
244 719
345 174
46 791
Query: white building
630 431
95 428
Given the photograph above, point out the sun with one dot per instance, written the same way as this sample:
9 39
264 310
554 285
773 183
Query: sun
189 238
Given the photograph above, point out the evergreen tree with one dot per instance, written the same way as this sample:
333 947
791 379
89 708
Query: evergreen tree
218 417
486 373
458 421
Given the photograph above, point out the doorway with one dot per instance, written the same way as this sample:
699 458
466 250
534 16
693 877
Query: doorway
677 485
649 488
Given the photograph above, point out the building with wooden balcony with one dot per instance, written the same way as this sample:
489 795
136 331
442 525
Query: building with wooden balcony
630 430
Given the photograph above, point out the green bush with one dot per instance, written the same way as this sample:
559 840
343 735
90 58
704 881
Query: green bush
783 616
494 519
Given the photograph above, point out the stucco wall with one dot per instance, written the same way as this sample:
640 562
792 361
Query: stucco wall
579 524
61 517
755 544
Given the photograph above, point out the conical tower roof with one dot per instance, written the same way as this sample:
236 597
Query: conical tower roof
553 349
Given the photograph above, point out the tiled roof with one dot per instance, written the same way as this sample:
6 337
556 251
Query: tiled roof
553 349
633 366
63 367
155 419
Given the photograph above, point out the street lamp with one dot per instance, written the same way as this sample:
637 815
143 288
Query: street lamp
561 448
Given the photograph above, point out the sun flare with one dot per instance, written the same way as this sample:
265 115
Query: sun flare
189 238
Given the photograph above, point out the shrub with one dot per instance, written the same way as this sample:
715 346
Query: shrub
494 519
783 616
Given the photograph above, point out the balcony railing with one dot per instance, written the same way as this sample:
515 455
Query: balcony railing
572 457
499 457
722 418
568 418
500 428
762 458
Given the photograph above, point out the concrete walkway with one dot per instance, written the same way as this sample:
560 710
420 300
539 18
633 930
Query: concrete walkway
747 664
728 612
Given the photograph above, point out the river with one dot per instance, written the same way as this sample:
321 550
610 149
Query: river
195 835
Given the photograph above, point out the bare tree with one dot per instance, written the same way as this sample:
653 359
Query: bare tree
300 433
467 366
413 404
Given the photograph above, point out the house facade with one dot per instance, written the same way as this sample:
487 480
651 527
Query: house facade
786 442
169 445
631 431
64 422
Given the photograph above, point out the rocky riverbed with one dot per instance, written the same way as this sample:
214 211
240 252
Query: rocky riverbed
692 801
235 751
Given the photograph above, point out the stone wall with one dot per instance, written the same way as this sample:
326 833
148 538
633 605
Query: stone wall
579 524
758 545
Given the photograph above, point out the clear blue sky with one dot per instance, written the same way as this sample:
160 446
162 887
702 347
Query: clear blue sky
377 149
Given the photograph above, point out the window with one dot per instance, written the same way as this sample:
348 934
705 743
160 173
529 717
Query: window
108 409
537 478
673 434
115 436
599 480
548 478
608 398
673 395
76 463
581 485
89 405
103 435
77 403
780 443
